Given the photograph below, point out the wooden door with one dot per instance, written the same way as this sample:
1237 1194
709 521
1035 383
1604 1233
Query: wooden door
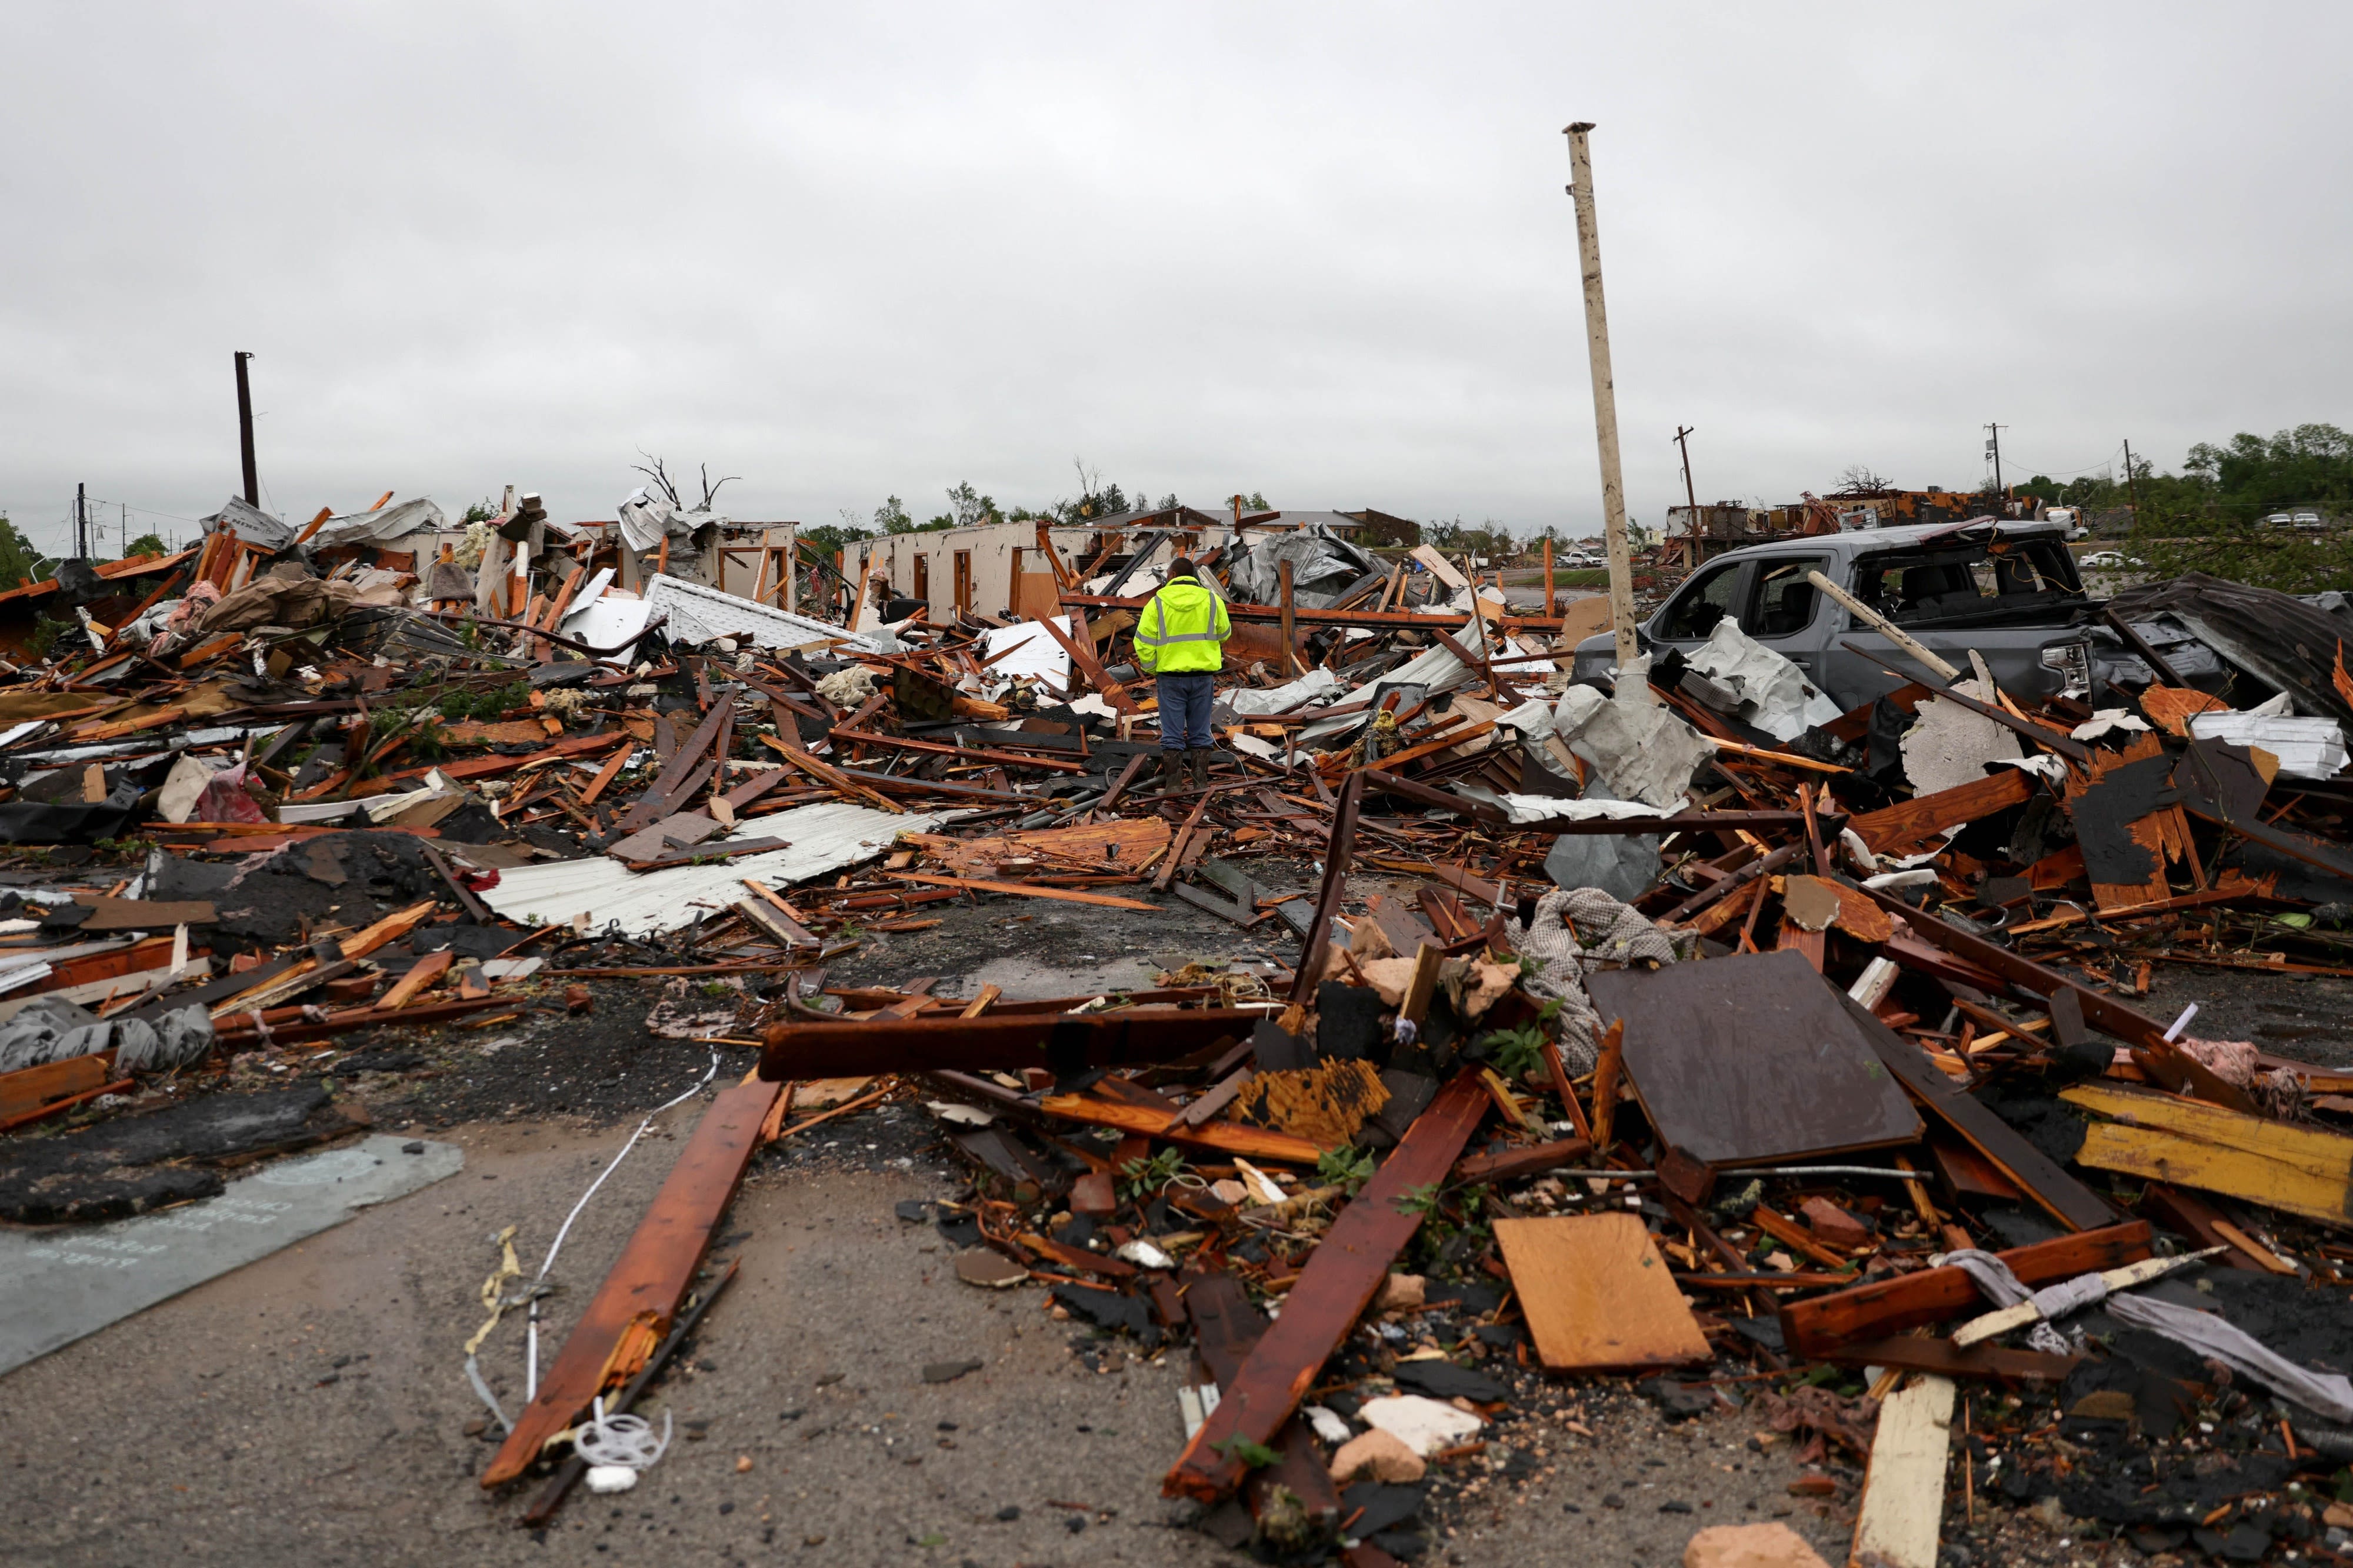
964 582
923 578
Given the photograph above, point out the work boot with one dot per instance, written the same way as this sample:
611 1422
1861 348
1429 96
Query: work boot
1166 774
1199 758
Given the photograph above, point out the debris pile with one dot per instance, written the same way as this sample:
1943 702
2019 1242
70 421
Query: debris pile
1681 1034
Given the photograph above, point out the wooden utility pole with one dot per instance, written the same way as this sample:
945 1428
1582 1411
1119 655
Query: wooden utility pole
1605 399
81 522
1690 500
245 431
1993 451
2132 484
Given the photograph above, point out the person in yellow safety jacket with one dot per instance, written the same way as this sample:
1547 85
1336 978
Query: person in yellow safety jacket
1180 637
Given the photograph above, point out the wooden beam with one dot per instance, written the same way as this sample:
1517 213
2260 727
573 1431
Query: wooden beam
1329 1295
1818 1328
651 1280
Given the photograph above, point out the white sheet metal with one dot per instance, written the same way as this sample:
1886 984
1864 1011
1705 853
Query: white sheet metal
698 614
1035 652
609 622
819 838
2306 748
381 527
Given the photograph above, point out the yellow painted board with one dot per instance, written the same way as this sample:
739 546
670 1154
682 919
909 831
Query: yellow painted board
2310 1149
1596 1294
2165 1157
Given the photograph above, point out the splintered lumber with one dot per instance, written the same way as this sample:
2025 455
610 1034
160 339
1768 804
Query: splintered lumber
1511 1165
1597 1295
2003 1320
2304 1170
1003 1041
1903 1354
649 1281
35 1091
1227 1137
2163 1061
1025 890
1825 1325
1329 1295
829 775
1904 1487
1226 1326
2029 1169
421 974
1908 821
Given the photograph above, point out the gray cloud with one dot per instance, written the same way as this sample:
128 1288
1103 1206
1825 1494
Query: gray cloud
1320 251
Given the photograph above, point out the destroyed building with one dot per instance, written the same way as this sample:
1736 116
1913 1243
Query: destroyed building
1496 1045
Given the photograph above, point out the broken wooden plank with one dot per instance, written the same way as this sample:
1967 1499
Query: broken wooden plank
1883 1308
1596 1293
1902 1352
1909 821
1024 891
1329 1295
1225 1327
2304 1170
1227 1137
2166 1062
1511 1165
1903 1500
649 1280
2034 1173
1003 1041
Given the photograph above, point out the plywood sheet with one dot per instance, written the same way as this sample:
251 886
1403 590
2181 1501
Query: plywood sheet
1752 1058
1596 1294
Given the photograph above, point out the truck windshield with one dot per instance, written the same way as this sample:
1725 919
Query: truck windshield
1965 582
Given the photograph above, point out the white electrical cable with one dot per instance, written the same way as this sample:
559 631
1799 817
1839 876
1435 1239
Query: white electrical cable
2182 1022
530 1361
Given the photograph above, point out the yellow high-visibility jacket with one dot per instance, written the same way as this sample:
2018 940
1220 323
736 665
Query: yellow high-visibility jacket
1182 629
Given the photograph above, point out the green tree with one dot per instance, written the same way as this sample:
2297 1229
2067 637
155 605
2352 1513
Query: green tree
967 508
890 517
147 545
19 562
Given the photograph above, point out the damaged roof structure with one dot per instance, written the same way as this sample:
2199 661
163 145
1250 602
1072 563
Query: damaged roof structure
1677 1028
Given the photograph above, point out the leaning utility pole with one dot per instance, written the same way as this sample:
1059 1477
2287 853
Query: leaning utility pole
1684 446
1605 398
245 431
2132 484
1993 451
81 522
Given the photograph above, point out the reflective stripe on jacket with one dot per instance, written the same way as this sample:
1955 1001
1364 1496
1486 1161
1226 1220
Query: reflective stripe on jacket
1180 630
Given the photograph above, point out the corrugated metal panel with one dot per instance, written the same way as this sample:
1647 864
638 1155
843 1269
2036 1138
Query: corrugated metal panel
819 838
698 614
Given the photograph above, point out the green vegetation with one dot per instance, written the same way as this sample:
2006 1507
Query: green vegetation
19 562
1345 1167
146 544
492 703
1249 1454
1141 1178
2210 517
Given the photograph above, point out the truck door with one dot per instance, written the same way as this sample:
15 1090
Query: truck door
1707 596
1782 606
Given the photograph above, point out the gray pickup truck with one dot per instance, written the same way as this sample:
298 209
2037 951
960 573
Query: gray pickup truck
2008 590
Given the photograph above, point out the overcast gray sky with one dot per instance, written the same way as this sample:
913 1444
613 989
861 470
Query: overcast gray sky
1318 251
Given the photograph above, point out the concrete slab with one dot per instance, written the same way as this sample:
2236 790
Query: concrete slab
57 1284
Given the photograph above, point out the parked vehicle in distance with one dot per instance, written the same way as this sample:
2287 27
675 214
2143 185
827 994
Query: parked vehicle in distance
2108 560
2009 590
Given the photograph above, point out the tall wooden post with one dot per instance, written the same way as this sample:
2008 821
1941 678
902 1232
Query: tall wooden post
1605 400
1290 625
1549 601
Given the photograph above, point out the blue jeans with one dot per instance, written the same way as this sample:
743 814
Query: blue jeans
1185 709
